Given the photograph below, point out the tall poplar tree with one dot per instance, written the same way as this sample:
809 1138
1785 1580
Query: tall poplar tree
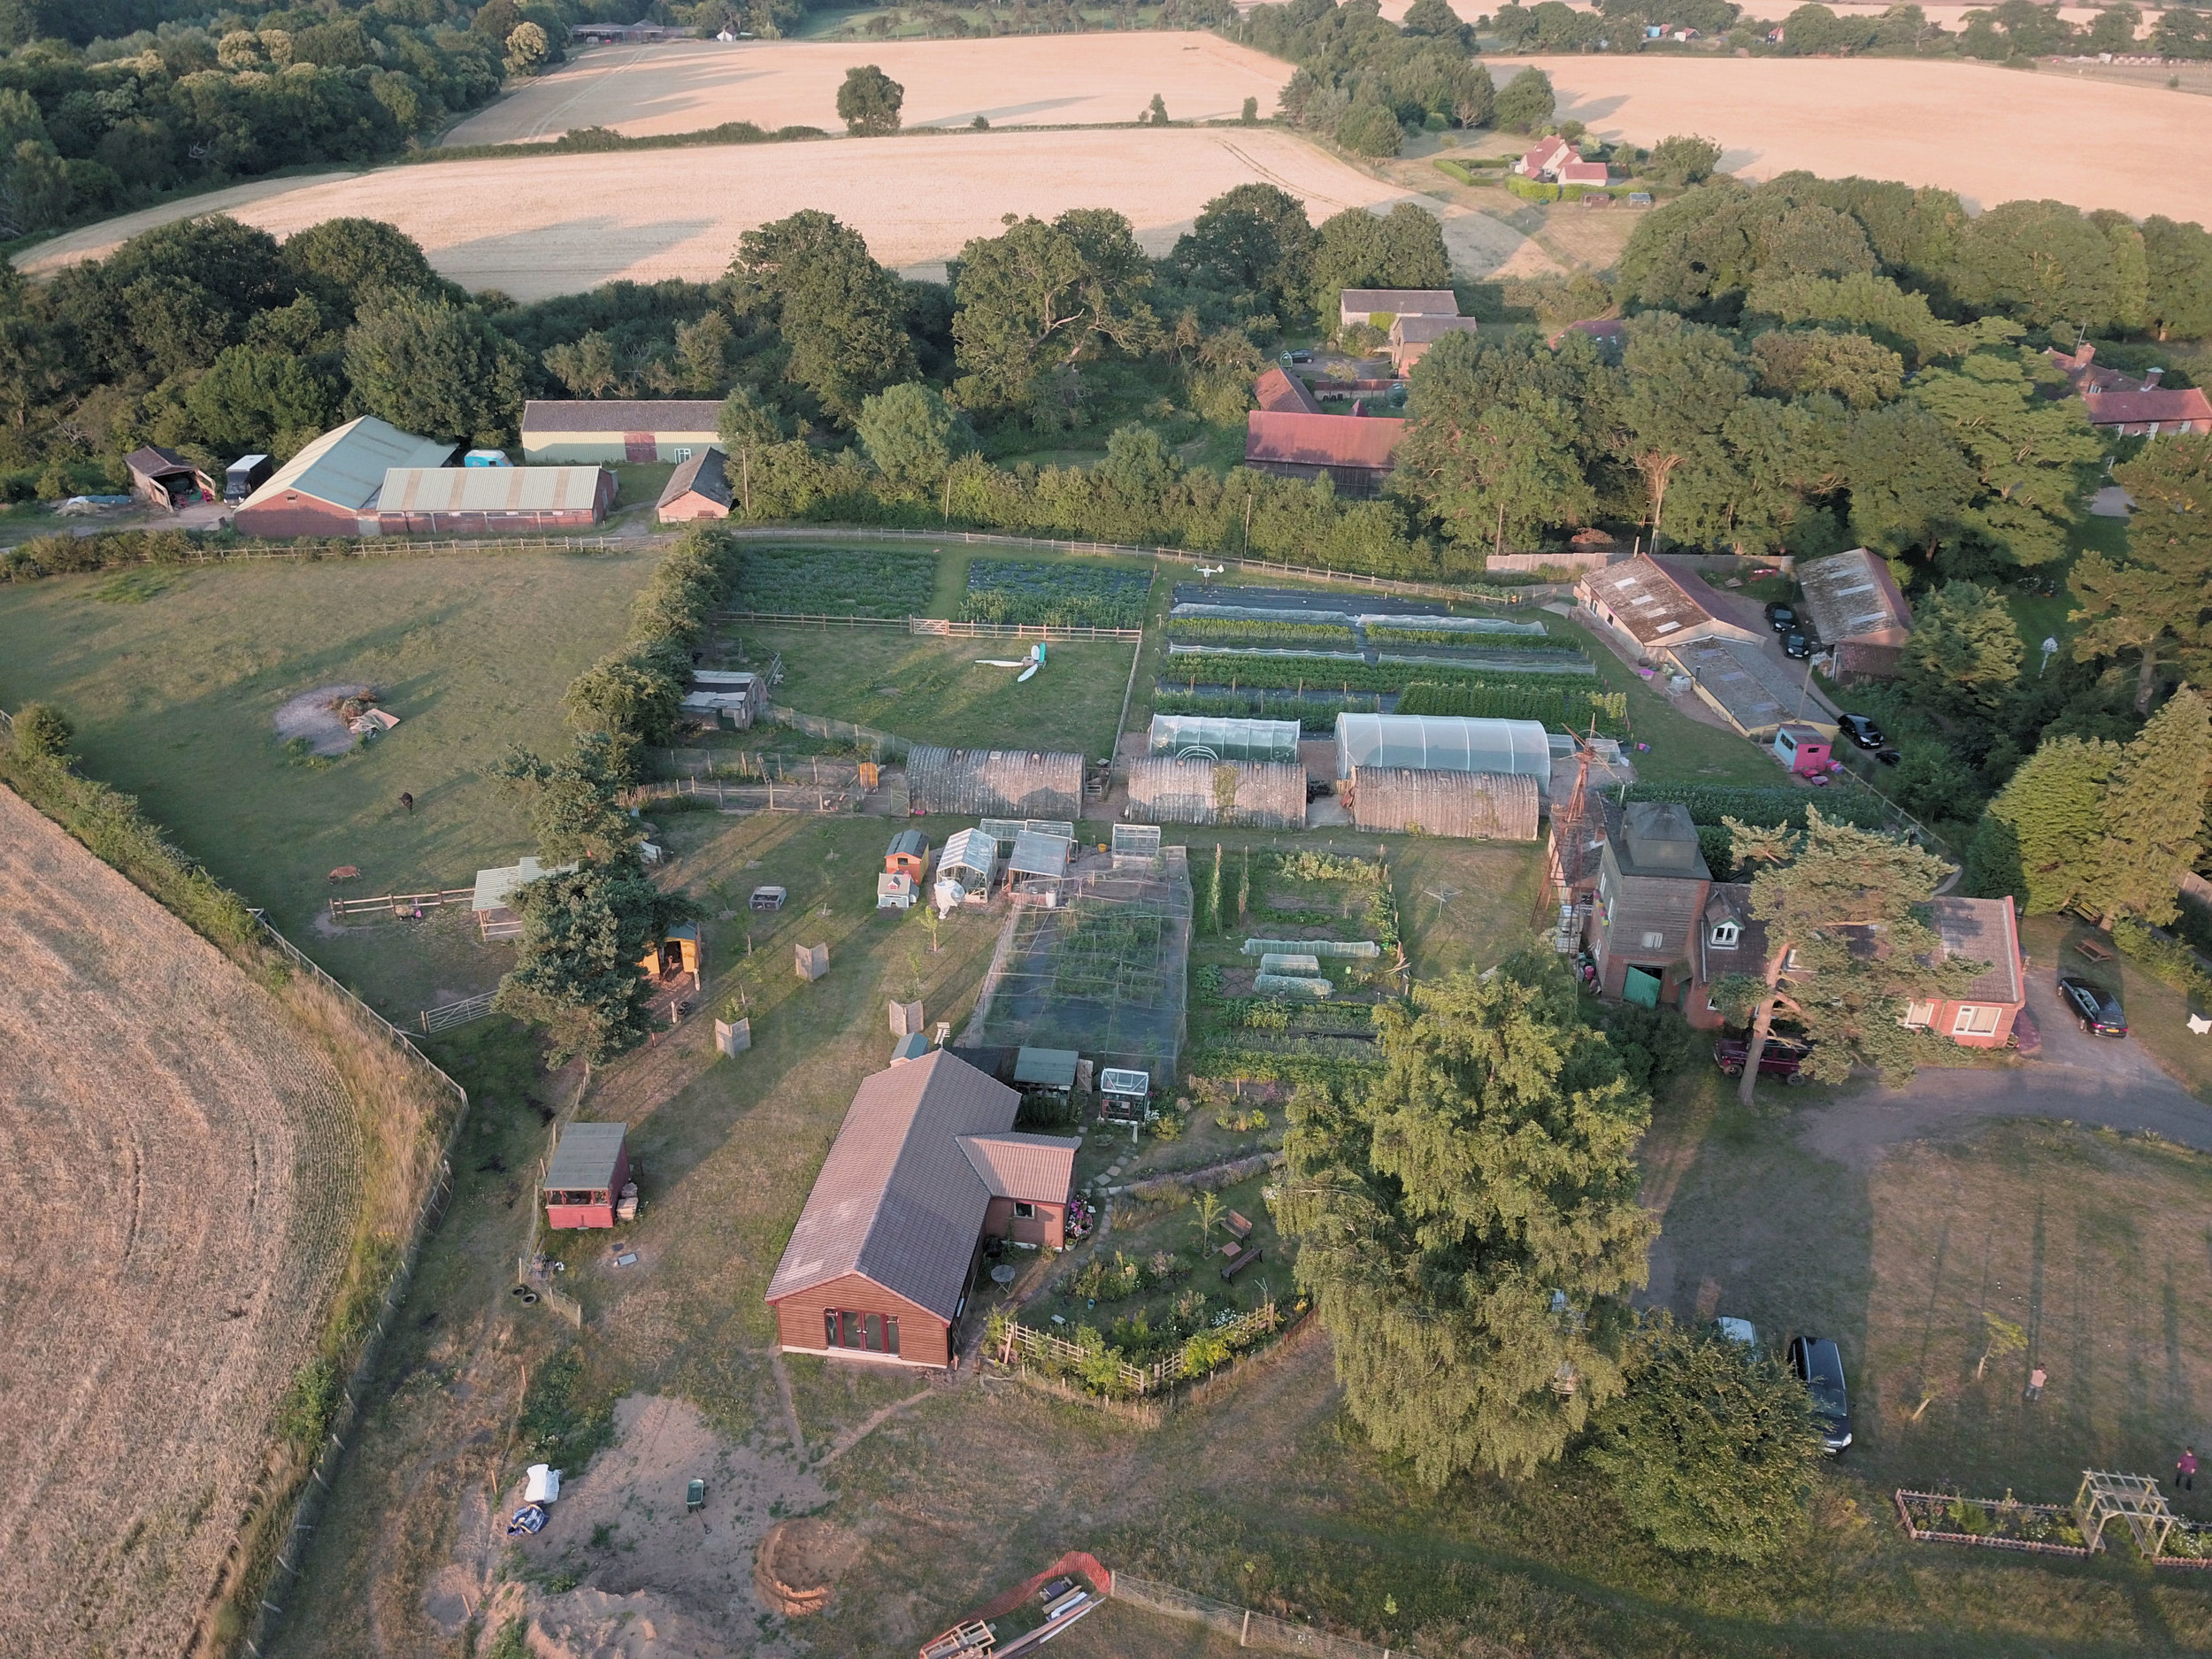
1468 1224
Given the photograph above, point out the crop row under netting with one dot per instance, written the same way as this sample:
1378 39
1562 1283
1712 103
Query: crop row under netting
1101 971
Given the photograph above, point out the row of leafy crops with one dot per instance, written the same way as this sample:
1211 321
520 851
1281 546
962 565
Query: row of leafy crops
1315 714
1235 630
1380 634
1194 669
1570 706
817 581
1061 595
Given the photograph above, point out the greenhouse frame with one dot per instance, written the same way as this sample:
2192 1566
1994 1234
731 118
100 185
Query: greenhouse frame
1223 738
1444 742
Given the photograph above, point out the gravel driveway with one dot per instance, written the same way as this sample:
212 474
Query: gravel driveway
2115 1084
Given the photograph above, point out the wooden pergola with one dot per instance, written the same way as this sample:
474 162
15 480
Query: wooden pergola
2134 1499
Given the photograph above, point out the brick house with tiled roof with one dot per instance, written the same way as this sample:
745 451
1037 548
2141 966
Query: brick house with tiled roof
1280 392
924 1168
1730 939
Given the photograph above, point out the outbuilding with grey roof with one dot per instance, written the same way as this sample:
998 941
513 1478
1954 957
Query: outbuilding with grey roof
557 431
418 500
331 486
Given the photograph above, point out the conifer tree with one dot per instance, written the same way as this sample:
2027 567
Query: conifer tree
2154 603
2153 815
1964 650
1468 1223
1825 895
2037 839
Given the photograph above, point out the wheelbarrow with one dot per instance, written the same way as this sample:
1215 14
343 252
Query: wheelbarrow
694 1497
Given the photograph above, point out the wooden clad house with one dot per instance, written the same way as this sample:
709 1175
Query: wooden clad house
606 430
585 1179
925 1166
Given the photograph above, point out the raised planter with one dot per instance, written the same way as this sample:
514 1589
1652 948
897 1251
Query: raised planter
1928 1518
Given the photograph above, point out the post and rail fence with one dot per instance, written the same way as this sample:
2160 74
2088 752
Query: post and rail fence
400 904
1244 1626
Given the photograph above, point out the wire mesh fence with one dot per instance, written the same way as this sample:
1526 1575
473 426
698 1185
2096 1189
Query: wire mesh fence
1246 1627
1100 970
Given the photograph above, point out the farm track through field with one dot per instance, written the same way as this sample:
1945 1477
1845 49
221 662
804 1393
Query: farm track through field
183 1169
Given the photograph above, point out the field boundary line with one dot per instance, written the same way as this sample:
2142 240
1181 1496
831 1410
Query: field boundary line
1116 550
1251 1628
307 1511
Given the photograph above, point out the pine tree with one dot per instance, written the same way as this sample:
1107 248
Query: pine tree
1964 650
2154 604
2039 838
2153 814
1213 894
1468 1224
1244 883
1822 892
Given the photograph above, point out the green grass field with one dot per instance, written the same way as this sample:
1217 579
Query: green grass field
933 690
174 677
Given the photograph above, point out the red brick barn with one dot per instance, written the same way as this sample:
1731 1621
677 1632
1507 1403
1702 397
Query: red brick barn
925 1167
330 487
698 488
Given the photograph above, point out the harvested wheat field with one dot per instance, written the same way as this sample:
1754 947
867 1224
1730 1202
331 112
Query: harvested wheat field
1990 134
1017 80
179 1182
540 226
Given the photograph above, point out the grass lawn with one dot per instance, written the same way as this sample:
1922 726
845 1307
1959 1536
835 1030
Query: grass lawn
932 691
173 682
1682 751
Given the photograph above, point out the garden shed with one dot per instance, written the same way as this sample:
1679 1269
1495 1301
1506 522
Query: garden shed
1018 783
698 488
1490 806
908 855
586 1175
1267 794
1443 742
1208 737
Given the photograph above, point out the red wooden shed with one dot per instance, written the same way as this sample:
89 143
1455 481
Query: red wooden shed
585 1179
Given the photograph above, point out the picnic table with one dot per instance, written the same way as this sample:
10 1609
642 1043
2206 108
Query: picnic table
2093 950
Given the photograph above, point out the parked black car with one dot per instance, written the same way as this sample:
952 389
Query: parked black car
1781 617
1818 1364
1781 1058
1798 646
2097 1010
1861 730
1297 356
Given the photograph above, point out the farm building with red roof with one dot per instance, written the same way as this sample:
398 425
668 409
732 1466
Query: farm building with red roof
1354 451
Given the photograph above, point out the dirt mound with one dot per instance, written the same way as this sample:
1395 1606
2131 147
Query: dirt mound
316 716
798 1564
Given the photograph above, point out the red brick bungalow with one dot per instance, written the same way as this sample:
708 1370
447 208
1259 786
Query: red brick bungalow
331 486
925 1169
1731 940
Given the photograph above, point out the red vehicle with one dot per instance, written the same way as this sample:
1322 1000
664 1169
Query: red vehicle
1781 1058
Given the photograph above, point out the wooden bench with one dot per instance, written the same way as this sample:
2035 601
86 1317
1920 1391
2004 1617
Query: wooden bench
1238 1225
1244 1259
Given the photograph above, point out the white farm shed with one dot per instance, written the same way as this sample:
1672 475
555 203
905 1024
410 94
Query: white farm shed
1443 742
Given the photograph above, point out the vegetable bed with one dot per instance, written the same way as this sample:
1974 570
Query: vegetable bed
817 581
1193 668
1059 593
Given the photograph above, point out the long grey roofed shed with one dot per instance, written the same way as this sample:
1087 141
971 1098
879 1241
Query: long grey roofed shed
897 1200
348 464
622 414
585 1157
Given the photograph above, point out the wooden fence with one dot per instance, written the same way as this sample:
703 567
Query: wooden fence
941 626
1170 555
412 546
1021 1344
400 904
